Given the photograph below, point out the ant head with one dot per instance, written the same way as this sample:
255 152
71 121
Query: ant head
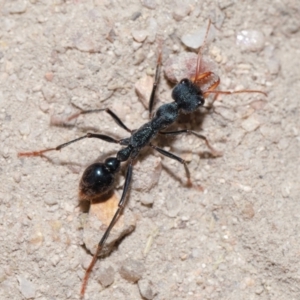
188 96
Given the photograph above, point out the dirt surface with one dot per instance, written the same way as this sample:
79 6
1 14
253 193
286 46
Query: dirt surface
237 239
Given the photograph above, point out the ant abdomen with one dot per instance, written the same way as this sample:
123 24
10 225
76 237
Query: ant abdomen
98 178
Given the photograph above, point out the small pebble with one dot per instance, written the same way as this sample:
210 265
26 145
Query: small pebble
49 76
147 199
268 132
55 260
106 276
259 290
16 7
181 10
9 67
250 40
273 65
24 129
145 181
5 152
37 88
258 104
152 30
217 17
139 57
27 288
250 124
132 270
225 3
245 188
17 177
143 88
50 200
139 35
36 238
151 4
248 211
283 143
173 205
216 52
136 45
21 96
48 93
44 106
135 15
84 43
195 39
2 275
286 189
145 287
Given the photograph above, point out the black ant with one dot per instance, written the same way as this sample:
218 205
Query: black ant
99 178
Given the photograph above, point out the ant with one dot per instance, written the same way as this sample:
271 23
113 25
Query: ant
98 179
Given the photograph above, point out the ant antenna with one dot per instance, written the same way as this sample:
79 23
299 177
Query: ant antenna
199 52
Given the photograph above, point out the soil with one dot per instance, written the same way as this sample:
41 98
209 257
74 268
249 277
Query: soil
234 235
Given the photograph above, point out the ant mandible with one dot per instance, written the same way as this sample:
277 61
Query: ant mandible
99 178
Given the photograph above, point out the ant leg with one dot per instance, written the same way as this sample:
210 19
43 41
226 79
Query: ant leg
156 79
90 111
213 151
59 147
179 159
118 212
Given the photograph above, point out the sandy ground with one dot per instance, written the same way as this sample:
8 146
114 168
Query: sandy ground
237 239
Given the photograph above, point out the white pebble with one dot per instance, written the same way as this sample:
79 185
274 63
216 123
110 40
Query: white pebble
106 276
26 287
21 96
151 4
273 66
24 129
146 289
50 200
181 10
250 40
225 3
269 133
286 189
132 270
85 43
55 260
17 7
174 205
44 106
245 188
250 124
17 177
139 35
152 30
196 38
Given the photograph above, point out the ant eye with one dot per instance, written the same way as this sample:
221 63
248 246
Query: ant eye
184 81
